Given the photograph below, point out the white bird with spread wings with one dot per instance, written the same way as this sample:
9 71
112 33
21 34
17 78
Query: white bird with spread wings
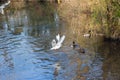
57 44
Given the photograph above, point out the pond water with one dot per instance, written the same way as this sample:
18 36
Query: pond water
25 42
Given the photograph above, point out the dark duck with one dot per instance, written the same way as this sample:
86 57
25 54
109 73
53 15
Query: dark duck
78 48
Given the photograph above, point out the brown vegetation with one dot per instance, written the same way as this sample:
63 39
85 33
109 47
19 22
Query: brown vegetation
82 16
100 17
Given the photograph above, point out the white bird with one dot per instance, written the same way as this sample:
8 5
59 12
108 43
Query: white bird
57 44
3 6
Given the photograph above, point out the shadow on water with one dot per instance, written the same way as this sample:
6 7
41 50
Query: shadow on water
25 40
111 54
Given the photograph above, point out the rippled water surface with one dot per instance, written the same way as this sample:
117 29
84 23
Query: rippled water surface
25 42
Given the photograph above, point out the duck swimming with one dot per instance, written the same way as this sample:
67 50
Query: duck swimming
78 48
87 34
57 44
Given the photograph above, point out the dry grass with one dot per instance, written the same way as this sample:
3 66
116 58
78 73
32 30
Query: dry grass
77 14
85 15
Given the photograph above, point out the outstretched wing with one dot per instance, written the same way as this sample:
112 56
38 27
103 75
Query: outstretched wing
58 37
57 46
62 39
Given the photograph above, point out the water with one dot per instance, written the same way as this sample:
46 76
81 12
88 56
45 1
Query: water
25 42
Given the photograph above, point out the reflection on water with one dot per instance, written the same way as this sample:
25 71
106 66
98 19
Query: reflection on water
111 54
25 40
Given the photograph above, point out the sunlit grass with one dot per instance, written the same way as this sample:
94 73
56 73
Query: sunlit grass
85 15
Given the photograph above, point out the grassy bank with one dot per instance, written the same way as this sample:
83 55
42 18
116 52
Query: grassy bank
100 17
